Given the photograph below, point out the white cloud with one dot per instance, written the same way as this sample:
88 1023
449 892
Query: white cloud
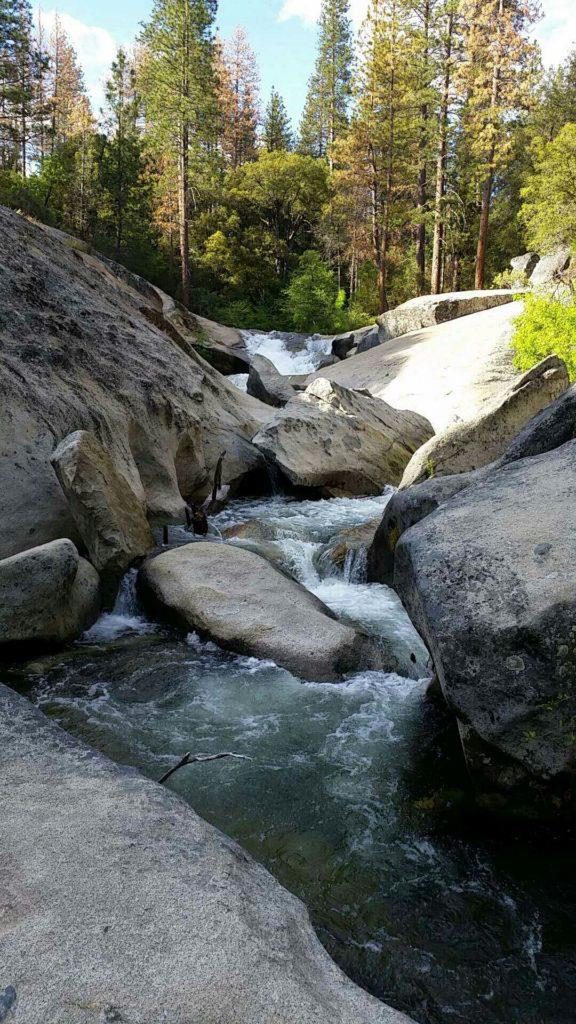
556 32
95 47
309 10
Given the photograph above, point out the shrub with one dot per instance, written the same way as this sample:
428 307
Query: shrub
546 327
313 299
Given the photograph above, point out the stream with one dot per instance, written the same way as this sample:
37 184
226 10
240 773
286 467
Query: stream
355 795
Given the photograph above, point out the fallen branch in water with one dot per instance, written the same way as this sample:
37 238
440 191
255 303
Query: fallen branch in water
198 759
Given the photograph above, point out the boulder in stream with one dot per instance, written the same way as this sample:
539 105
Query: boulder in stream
49 595
488 580
265 383
467 446
341 442
245 604
110 517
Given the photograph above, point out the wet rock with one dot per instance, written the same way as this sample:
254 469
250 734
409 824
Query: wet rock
327 361
342 344
467 446
80 353
49 595
265 383
162 916
429 310
348 544
488 581
109 516
244 603
341 442
370 338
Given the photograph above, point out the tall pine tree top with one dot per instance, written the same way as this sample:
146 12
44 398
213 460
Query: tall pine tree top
277 133
325 115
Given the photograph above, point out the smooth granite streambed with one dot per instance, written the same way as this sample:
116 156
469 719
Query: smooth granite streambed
355 795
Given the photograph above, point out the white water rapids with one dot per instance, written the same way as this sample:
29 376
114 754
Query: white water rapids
290 354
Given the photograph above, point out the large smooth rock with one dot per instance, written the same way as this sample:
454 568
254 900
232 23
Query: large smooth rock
429 310
240 600
368 339
88 346
265 383
488 579
446 373
48 595
467 446
341 442
120 904
549 268
110 517
550 428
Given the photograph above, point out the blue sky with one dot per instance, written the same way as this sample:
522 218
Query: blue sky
282 32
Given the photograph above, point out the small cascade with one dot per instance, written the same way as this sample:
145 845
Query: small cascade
126 617
290 354
355 565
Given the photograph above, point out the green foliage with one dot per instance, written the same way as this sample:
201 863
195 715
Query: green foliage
546 327
313 298
325 116
277 133
549 209
511 279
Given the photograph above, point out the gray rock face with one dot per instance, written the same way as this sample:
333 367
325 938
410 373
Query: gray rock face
549 268
369 339
265 383
428 310
405 509
246 605
48 595
110 517
549 429
341 442
467 446
80 352
525 264
488 580
119 903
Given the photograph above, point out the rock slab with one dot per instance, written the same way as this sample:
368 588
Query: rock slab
48 595
342 442
467 446
110 517
247 605
120 904
429 310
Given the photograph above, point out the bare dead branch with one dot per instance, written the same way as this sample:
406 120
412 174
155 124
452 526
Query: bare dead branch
199 759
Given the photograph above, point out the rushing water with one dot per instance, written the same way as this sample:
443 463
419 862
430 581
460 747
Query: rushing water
290 354
355 795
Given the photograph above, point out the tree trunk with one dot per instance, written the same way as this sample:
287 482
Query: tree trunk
442 153
423 170
483 233
489 179
183 208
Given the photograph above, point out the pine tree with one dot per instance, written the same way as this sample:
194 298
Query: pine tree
497 82
238 89
122 161
178 88
325 117
65 90
21 65
277 132
448 43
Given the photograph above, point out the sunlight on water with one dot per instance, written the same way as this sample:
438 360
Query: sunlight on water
288 353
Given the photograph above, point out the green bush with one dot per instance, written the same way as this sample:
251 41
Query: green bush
545 327
313 299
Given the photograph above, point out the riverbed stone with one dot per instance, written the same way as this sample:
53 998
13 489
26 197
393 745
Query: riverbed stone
245 604
110 517
467 446
341 442
48 595
488 580
120 904
267 384
429 310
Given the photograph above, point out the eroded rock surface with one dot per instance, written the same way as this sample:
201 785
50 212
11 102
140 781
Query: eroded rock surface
82 350
341 442
120 904
467 446
49 595
247 605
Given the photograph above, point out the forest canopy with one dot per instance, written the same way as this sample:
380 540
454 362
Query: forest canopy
432 148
